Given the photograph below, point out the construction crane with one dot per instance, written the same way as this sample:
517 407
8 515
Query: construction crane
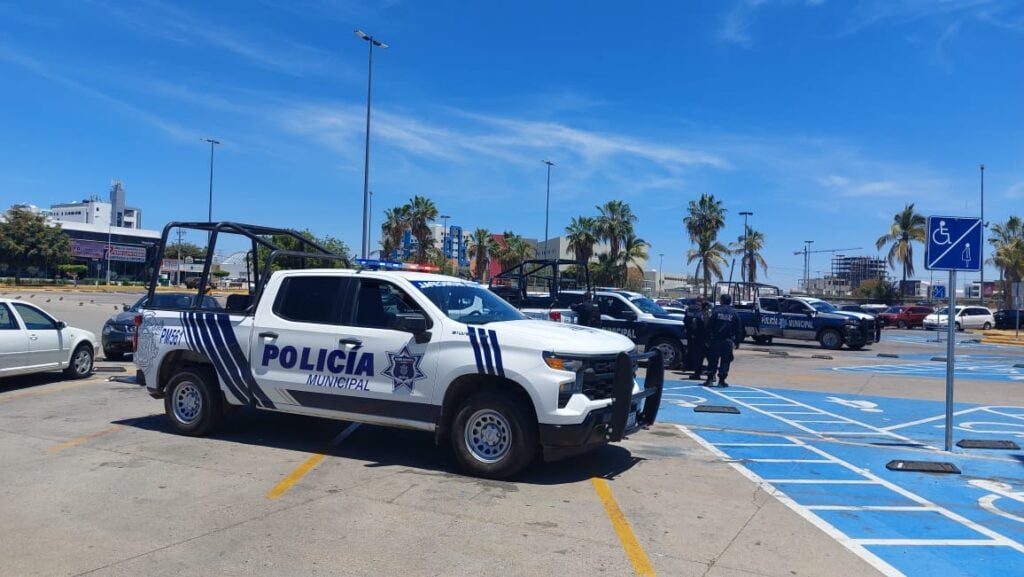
807 252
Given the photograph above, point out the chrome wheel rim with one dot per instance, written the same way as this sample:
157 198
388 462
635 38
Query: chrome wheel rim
488 436
668 354
187 403
83 362
830 339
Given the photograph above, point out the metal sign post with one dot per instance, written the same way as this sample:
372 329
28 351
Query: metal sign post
953 244
1018 292
950 359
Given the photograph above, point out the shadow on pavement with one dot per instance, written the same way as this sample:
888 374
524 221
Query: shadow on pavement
8 384
378 446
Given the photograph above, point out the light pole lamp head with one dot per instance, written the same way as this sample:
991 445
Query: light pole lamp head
548 162
370 39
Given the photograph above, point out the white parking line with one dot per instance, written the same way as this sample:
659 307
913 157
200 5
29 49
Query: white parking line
930 542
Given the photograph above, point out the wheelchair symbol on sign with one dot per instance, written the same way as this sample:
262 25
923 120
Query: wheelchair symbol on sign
996 491
941 233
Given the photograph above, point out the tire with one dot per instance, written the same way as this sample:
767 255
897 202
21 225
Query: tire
671 353
193 402
762 340
959 327
901 325
494 435
831 339
81 362
986 326
112 356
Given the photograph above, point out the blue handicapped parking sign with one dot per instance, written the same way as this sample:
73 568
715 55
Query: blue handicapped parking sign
953 243
938 292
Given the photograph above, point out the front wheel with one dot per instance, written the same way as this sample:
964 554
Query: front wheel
81 362
901 325
959 327
830 339
494 435
763 340
671 353
192 402
986 326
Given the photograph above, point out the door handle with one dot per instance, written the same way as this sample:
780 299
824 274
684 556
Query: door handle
349 341
268 335
33 338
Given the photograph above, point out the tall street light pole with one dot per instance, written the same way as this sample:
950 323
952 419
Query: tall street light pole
981 254
373 42
547 206
746 243
807 266
209 209
661 274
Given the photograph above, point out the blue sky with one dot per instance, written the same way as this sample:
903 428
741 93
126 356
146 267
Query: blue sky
821 117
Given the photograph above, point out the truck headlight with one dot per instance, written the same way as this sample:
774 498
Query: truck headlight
569 387
107 329
562 363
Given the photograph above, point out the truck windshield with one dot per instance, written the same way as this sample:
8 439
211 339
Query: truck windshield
647 305
823 306
467 302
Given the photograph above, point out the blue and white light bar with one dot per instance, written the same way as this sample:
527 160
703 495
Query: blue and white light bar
376 264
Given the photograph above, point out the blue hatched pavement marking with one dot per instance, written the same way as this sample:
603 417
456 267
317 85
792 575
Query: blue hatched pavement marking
902 523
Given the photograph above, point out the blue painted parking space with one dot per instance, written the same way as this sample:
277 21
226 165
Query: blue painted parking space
824 455
931 338
968 366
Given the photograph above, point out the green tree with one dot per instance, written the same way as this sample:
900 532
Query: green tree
73 271
481 247
634 252
710 256
184 250
286 242
750 246
606 270
27 241
704 217
582 237
907 228
421 212
876 290
1007 240
396 221
613 224
515 250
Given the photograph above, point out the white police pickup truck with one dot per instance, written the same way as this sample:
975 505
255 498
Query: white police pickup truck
398 348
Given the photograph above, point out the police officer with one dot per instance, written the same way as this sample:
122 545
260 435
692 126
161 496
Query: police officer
696 336
587 311
724 333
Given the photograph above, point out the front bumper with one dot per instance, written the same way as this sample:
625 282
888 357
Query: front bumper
610 424
117 341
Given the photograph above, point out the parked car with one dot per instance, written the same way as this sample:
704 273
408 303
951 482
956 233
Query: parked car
905 317
964 318
1007 318
119 329
32 341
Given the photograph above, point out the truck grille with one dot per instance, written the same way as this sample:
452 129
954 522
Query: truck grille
599 378
867 326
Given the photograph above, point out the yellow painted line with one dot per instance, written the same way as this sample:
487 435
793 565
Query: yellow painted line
301 471
83 439
45 391
637 557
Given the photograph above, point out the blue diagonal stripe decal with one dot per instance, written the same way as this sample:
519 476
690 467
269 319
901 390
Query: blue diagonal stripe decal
486 348
476 349
497 353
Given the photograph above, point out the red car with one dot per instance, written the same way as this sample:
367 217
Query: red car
905 317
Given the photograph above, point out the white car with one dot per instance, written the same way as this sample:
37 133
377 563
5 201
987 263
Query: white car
966 317
32 341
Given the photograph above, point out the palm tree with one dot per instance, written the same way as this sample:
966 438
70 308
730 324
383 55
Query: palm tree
634 252
481 246
907 228
1007 240
614 223
750 246
421 212
710 258
396 221
582 238
515 251
605 272
704 216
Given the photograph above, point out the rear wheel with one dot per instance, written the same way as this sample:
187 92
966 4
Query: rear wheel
671 353
494 435
959 327
81 362
901 324
830 339
763 340
193 402
986 326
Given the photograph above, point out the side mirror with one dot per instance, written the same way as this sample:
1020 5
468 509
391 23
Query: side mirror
415 323
61 325
809 313
126 308
628 316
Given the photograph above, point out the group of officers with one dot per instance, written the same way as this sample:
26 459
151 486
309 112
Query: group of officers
712 333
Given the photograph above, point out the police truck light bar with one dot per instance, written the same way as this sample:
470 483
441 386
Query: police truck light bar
376 264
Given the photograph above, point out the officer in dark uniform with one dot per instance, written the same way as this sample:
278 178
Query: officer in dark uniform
587 312
724 333
696 336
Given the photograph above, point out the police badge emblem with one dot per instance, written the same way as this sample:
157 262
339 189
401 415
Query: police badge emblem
404 369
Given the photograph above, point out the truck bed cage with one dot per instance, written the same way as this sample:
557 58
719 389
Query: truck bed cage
746 291
260 238
513 283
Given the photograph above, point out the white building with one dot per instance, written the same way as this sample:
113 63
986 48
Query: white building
97 212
